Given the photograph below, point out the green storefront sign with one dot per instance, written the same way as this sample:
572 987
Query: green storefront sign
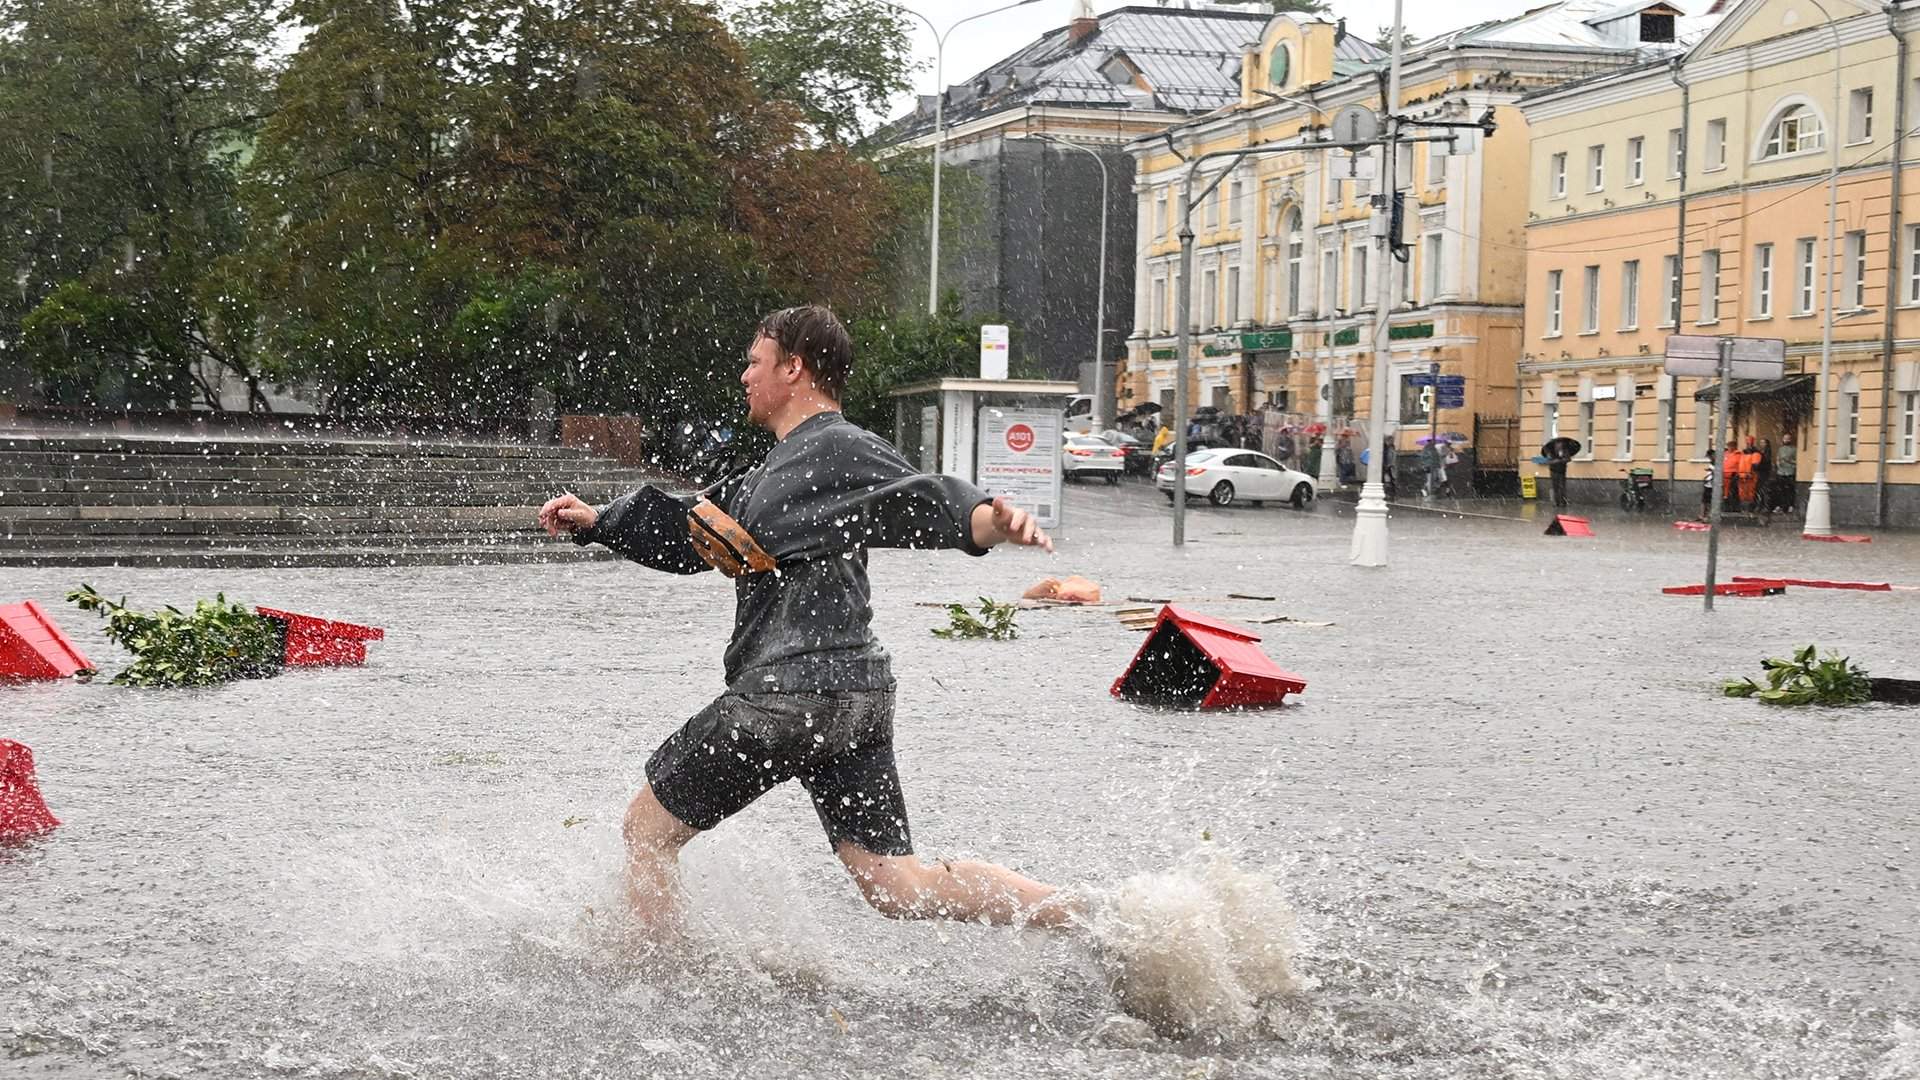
1258 341
1410 332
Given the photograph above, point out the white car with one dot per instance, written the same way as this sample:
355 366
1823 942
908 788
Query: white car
1226 476
1085 455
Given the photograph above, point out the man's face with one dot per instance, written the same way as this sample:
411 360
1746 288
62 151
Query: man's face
768 379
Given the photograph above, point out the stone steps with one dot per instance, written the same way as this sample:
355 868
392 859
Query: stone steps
70 500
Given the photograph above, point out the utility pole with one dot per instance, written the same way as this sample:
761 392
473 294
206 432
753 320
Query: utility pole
1370 517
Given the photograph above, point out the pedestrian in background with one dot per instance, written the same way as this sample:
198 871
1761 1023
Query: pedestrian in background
1763 478
1785 460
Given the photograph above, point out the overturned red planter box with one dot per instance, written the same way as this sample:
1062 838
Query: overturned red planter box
1192 661
315 642
33 647
23 813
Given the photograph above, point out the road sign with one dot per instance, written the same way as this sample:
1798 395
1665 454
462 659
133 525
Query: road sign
1355 124
1450 401
993 351
1753 358
1444 382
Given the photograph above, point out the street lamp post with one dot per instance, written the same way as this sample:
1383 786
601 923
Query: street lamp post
1819 521
940 129
1100 313
1370 517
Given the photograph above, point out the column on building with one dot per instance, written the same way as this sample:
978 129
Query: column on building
1251 219
1142 282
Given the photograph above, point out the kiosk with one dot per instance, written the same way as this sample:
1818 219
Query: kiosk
1002 434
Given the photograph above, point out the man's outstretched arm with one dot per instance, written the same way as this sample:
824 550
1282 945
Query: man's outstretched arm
649 526
1001 522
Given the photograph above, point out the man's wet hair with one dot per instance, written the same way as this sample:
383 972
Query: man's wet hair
815 335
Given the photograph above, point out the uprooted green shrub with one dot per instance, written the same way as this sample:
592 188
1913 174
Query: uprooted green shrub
215 643
995 622
1803 680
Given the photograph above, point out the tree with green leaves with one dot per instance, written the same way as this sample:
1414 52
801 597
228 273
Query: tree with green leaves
121 125
839 62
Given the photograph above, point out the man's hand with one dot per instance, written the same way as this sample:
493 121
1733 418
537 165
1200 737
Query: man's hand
1002 522
567 513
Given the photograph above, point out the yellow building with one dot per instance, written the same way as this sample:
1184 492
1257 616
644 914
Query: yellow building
1283 304
1691 198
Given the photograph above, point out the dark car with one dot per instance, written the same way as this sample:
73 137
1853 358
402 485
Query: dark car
1139 454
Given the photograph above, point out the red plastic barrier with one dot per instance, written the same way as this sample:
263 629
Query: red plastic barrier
1738 587
1862 586
1193 661
316 642
1692 526
23 813
1568 525
1837 538
32 647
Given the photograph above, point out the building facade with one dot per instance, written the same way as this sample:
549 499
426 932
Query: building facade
1031 251
1283 302
1692 198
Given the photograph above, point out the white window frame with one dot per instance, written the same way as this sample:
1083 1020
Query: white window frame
1586 430
1556 281
1596 169
1236 194
1763 281
1709 312
1329 276
1913 265
1676 152
1209 299
1702 430
1231 297
1636 161
1716 145
1907 445
1590 300
1860 116
1550 418
1211 213
1433 248
1805 254
1160 219
1557 176
1359 281
1296 241
1667 412
1855 255
1630 295
1623 427
1436 168
1162 322
1795 128
1846 428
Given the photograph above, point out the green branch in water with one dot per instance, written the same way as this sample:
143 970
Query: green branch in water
1804 680
215 643
995 622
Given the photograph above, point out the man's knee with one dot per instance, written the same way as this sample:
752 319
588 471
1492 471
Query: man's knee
651 829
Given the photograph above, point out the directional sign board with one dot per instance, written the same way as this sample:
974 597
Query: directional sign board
1444 382
1753 358
1450 400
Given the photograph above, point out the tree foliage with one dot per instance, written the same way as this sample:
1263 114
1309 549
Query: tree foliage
121 124
838 61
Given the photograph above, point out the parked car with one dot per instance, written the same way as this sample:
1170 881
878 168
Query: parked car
1226 476
1086 455
1138 453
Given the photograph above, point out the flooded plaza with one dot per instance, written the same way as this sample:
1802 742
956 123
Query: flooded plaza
1511 829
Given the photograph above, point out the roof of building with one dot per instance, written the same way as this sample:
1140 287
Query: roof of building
1189 58
1570 24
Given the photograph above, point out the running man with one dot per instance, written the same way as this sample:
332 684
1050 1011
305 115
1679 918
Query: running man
810 692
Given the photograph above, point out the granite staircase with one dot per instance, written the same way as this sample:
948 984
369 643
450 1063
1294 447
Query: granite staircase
84 500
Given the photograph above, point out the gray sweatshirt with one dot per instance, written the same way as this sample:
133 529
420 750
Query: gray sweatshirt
823 496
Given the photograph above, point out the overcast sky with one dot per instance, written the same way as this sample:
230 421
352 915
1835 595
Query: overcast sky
983 41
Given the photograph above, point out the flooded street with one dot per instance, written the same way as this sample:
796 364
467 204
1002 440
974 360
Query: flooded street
1519 831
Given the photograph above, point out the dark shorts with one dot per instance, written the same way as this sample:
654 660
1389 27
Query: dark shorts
839 745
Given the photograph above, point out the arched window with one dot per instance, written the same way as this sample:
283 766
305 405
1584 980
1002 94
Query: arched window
1795 129
1279 65
1296 258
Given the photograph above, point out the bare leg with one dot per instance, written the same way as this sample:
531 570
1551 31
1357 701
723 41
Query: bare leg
654 839
903 887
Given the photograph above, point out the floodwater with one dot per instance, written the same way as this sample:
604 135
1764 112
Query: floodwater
1510 829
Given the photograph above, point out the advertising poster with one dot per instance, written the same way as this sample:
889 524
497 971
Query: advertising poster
1020 458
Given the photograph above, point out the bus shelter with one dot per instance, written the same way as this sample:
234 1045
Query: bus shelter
1002 434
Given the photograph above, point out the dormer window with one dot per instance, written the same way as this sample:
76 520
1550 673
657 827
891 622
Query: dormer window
1656 27
1796 130
1279 65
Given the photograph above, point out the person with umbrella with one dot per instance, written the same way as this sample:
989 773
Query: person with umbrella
1558 451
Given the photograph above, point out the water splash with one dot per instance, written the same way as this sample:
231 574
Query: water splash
1199 948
